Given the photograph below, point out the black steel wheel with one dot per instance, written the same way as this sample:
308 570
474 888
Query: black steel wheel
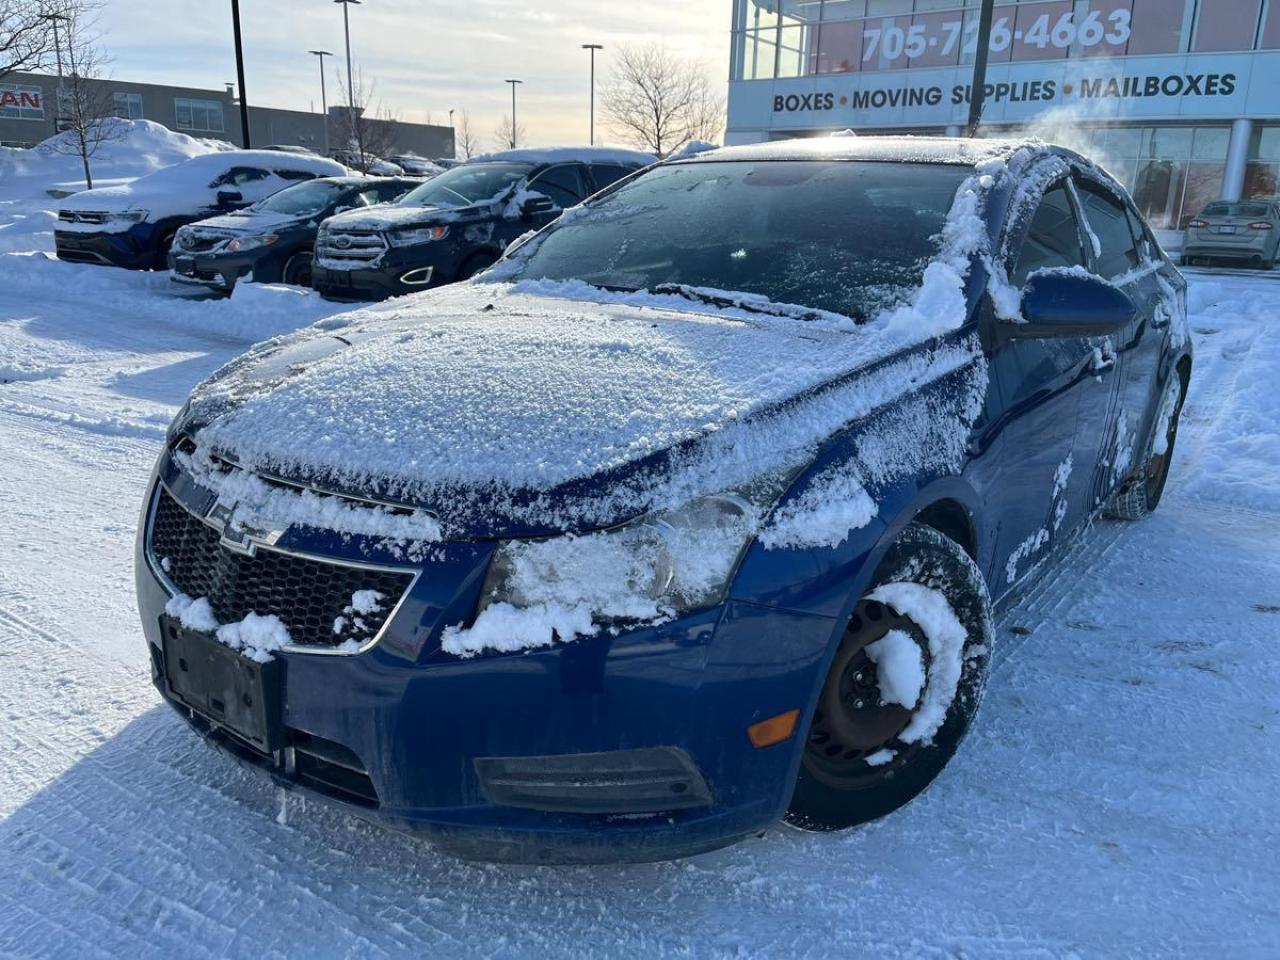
297 269
867 755
1142 492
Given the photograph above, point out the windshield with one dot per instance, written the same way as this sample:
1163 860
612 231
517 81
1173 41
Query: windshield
846 237
468 184
303 200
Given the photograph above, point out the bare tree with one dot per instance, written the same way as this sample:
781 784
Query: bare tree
659 101
86 108
26 36
466 142
505 137
366 131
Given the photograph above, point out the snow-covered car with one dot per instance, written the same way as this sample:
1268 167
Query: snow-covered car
459 222
416 166
689 515
273 240
368 163
133 225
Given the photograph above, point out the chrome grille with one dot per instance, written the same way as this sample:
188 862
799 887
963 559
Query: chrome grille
308 595
350 248
83 216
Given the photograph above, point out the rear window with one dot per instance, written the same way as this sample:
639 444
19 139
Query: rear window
1236 210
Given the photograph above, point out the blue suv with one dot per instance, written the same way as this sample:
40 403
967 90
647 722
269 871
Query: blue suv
689 515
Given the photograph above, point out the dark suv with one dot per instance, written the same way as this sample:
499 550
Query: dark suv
272 241
459 223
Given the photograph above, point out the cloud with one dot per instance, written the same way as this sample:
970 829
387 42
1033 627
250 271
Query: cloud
424 57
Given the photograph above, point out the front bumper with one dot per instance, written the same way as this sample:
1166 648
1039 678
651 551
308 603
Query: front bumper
488 756
125 249
218 271
401 270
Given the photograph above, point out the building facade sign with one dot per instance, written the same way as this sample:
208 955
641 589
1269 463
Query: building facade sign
21 102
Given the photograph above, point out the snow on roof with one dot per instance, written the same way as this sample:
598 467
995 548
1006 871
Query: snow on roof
569 154
918 149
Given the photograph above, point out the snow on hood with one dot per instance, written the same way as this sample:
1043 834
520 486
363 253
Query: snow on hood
249 221
389 215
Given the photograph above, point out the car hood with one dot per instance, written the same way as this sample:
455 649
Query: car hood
116 199
250 222
516 410
390 216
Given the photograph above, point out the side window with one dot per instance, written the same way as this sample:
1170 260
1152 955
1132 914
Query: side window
1147 247
296 175
238 176
1053 239
605 174
563 184
1110 222
388 192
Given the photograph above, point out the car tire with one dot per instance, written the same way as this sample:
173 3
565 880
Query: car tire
474 264
837 787
297 269
1141 494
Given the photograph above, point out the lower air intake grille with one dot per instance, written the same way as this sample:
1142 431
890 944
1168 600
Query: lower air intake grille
307 595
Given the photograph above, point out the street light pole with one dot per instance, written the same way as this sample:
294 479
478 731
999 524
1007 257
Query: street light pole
244 100
54 18
324 99
978 95
351 90
593 47
514 125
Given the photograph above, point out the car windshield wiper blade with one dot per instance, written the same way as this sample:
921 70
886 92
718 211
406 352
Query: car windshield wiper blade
751 303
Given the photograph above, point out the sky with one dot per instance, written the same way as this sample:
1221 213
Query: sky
422 57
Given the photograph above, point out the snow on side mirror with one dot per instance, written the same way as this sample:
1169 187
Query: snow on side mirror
1072 304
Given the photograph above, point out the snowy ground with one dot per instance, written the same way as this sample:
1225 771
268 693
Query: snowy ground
1119 795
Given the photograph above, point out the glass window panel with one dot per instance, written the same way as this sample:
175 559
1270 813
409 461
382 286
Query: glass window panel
1270 39
941 34
182 111
844 9
1204 186
1266 144
1123 141
1158 191
1107 34
1211 143
1226 25
1053 239
1262 180
1034 37
1157 27
1172 142
1110 223
793 55
840 47
888 8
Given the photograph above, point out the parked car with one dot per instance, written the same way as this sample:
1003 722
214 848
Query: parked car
458 223
416 166
367 163
689 515
272 241
1248 230
133 225
290 148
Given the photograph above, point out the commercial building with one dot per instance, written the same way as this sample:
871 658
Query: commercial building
28 115
1180 99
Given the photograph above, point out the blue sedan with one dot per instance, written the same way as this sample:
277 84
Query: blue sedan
690 515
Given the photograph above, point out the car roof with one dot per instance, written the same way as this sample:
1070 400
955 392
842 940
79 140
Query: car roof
906 149
544 155
354 181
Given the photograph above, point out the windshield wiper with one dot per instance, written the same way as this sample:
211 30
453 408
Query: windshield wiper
748 302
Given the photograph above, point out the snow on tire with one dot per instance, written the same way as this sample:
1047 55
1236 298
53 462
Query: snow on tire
881 733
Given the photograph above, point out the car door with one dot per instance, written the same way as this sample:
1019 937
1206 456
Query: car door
1041 382
1115 443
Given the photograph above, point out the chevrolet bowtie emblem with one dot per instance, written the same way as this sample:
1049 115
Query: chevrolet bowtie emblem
241 537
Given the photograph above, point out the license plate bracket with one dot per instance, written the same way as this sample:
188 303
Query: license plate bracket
1226 230
231 691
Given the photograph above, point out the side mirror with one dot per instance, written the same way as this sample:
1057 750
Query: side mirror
536 206
1062 304
230 198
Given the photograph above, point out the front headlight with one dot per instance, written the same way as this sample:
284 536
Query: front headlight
130 216
663 564
407 238
248 243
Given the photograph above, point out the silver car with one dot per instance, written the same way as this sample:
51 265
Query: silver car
1247 230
